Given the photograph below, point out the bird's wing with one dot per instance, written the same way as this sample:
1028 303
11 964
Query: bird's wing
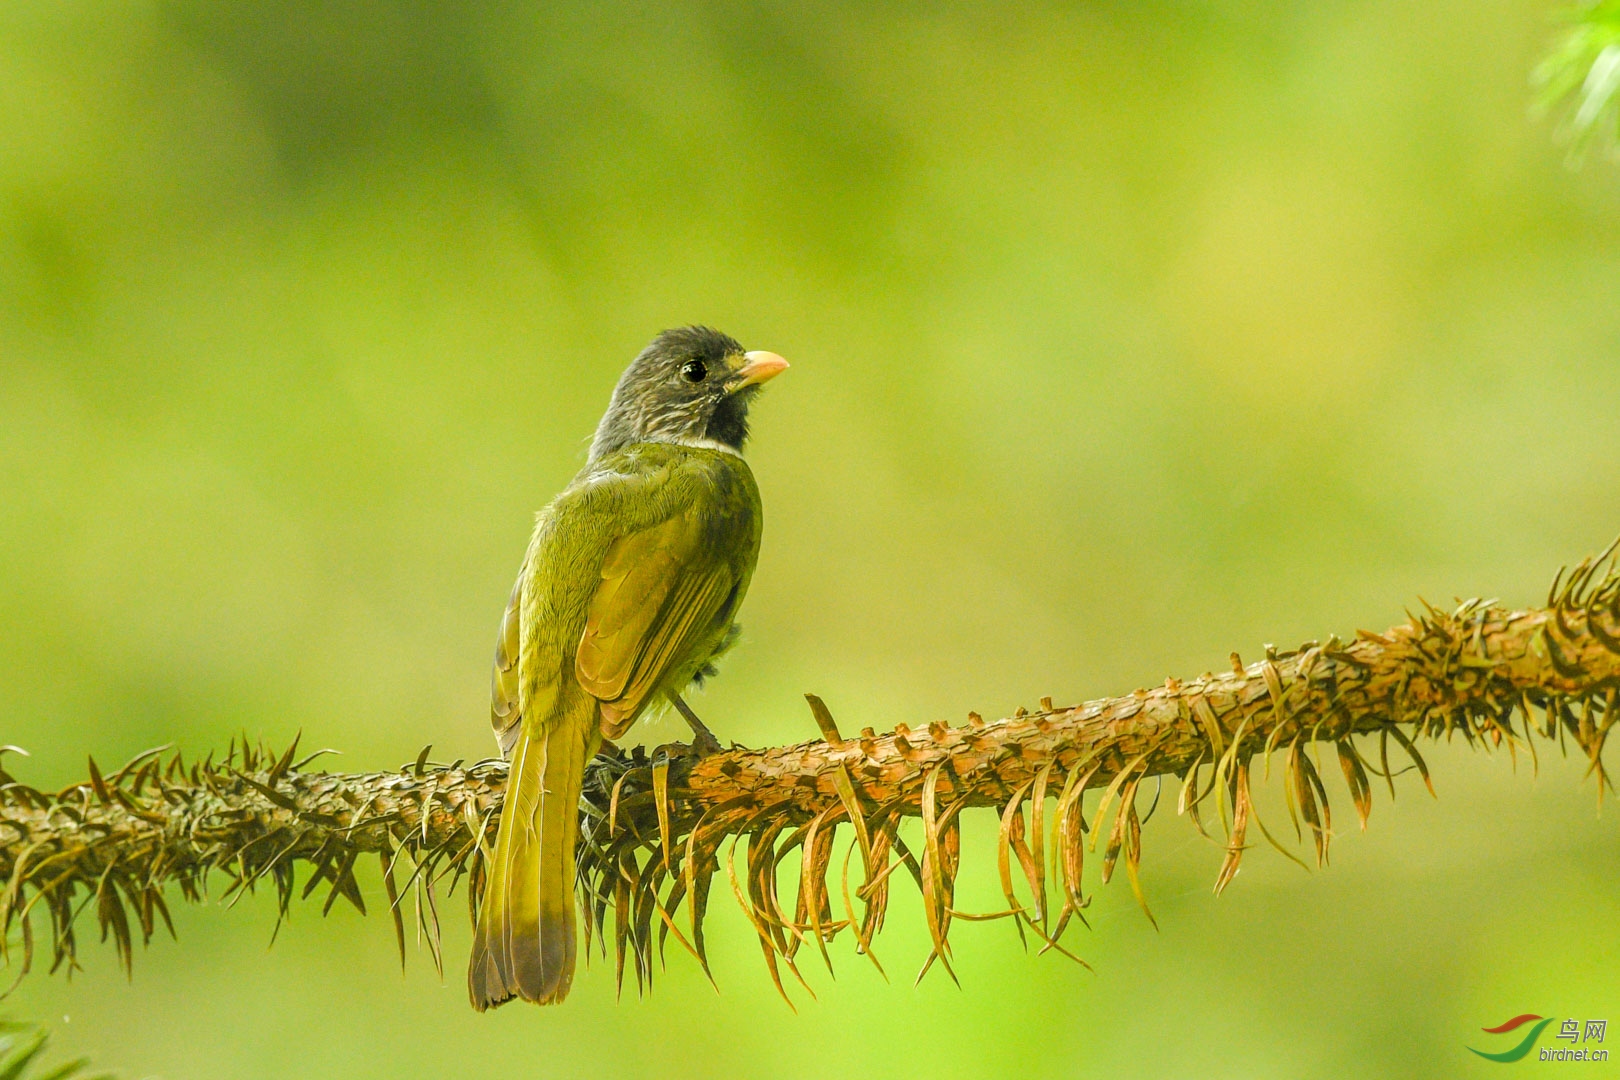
505 715
660 591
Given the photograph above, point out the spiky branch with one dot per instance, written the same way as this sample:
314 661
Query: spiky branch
653 826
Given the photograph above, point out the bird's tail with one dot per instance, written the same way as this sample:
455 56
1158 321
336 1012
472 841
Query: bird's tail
524 944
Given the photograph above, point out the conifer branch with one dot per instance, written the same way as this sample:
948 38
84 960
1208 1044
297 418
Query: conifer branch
657 827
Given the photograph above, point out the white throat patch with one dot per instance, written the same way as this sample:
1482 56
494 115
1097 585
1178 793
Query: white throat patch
704 444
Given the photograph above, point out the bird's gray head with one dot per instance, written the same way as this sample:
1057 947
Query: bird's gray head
690 386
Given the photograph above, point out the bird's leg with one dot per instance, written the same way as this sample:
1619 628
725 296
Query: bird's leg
703 740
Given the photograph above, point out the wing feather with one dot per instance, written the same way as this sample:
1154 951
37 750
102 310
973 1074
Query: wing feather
505 712
661 589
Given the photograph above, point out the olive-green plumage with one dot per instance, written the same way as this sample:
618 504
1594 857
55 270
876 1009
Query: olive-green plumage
629 589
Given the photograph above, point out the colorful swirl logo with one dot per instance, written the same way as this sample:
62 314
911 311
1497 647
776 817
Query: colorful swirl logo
1524 1046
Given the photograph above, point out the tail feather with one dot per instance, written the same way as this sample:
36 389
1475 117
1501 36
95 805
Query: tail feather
524 945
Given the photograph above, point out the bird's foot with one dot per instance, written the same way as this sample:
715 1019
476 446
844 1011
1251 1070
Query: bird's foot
703 741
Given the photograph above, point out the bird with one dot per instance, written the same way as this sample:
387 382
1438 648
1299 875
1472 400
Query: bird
628 593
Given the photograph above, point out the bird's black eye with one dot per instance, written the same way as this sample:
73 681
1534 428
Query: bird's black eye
694 371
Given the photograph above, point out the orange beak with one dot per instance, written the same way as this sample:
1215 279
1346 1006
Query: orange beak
760 367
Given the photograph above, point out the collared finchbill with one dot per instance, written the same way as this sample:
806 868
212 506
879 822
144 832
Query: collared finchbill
635 572
760 367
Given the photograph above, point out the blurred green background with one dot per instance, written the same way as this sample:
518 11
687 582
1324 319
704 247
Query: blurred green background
1124 335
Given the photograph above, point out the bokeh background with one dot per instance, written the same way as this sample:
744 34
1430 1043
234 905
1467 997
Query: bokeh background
1124 335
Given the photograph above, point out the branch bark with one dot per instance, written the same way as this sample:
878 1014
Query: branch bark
653 824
